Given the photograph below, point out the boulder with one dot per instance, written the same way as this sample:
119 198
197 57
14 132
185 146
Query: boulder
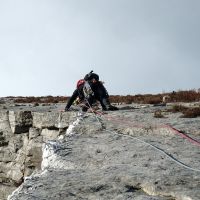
20 121
4 122
53 119
49 134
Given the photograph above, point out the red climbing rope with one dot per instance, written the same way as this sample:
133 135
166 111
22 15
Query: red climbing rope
137 125
131 124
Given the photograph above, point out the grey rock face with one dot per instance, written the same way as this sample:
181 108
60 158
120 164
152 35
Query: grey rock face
107 166
3 141
127 154
34 133
52 119
4 123
22 134
117 156
21 121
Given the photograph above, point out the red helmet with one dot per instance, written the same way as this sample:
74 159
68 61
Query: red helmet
80 82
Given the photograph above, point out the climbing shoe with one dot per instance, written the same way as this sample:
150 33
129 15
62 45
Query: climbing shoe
112 108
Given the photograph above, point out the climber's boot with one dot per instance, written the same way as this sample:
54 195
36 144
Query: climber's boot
106 105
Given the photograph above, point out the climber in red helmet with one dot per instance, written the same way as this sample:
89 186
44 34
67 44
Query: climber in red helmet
90 90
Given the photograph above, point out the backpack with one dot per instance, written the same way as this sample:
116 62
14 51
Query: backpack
80 82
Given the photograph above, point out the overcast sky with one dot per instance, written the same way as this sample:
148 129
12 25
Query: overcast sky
136 46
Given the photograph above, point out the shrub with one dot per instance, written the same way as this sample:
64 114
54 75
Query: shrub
191 112
177 108
46 99
180 96
158 114
185 96
152 100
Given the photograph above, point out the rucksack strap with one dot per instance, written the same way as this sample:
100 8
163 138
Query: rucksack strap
87 90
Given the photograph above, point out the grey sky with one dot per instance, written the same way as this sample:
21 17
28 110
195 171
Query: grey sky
136 46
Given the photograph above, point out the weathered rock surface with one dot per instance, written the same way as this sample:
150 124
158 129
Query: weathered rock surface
52 119
127 154
122 155
22 134
20 122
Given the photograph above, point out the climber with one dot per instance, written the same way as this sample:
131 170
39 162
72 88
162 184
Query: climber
90 90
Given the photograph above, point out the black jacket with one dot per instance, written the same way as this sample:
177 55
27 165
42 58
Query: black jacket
77 93
100 93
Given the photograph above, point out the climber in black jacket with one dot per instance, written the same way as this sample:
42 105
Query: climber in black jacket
89 90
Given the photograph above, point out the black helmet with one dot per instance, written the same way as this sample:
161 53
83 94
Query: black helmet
90 76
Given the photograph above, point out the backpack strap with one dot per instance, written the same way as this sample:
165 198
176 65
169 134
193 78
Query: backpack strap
87 90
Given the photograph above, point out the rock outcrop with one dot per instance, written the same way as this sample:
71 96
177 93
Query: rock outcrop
22 134
127 154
